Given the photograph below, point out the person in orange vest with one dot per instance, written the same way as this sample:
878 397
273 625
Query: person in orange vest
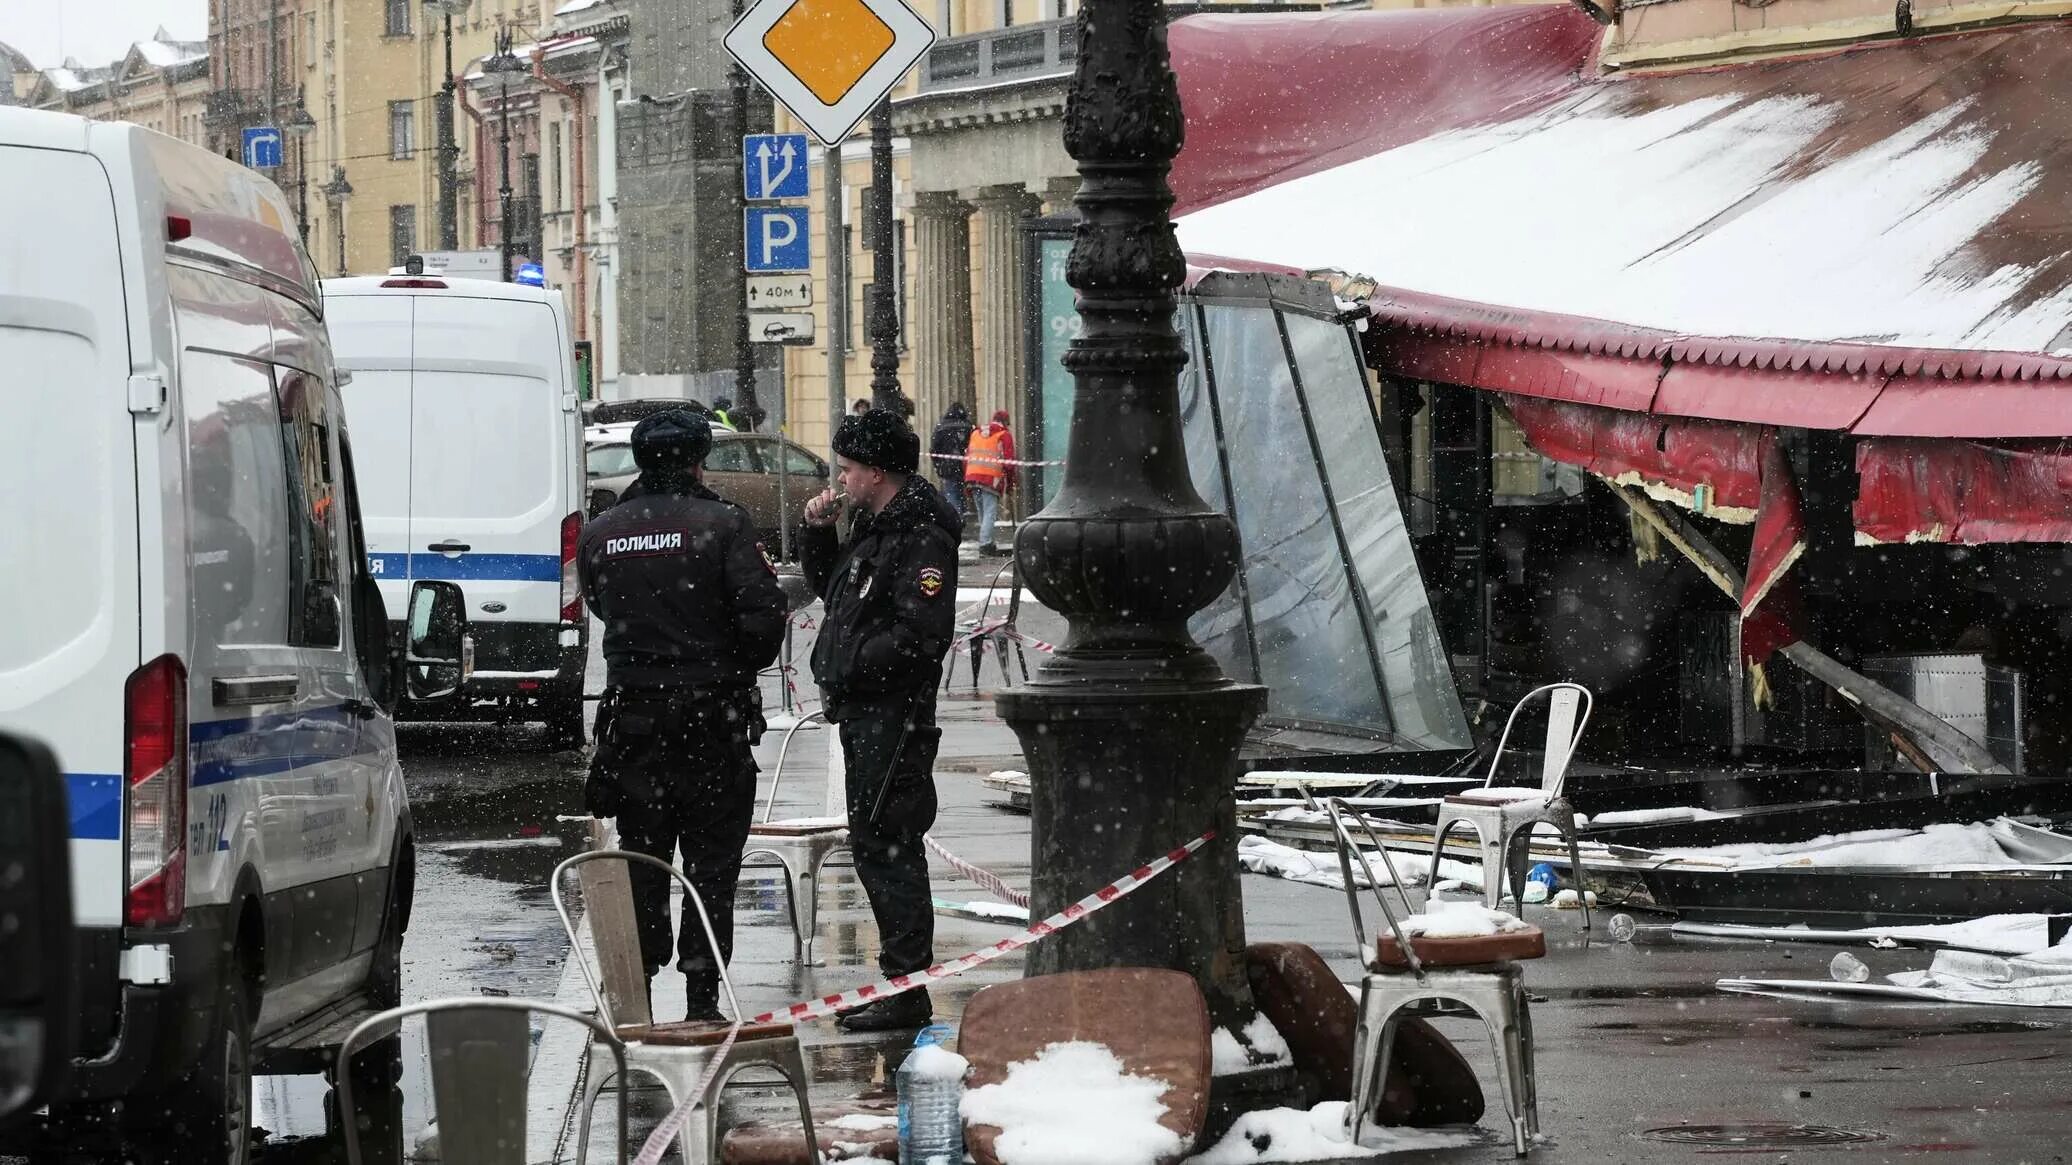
989 475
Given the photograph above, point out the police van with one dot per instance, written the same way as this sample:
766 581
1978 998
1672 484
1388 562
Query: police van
464 411
191 628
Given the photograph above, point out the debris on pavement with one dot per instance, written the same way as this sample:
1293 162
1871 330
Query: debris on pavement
2000 842
1292 1135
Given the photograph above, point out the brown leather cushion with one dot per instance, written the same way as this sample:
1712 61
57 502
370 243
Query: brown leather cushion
1474 951
1154 1020
688 1034
1429 1082
785 1144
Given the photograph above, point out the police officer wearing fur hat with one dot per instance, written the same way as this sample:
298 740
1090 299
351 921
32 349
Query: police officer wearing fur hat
692 612
891 598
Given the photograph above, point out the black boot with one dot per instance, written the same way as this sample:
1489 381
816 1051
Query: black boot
903 1012
702 993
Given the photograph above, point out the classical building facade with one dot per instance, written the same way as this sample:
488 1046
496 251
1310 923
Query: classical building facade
161 83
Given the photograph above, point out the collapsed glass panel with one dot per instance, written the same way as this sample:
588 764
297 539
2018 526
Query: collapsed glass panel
1306 626
1220 626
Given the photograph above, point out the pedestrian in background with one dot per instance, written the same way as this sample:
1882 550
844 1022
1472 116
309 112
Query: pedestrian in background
859 406
720 410
891 598
691 612
946 447
989 475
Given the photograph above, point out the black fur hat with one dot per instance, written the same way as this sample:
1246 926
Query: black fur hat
677 439
879 439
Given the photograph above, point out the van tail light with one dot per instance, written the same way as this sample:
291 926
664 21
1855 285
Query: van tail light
420 283
155 777
571 587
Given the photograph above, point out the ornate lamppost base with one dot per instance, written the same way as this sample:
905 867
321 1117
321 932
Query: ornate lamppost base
1120 775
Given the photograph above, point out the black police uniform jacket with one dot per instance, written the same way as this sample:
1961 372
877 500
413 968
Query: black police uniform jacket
687 598
891 598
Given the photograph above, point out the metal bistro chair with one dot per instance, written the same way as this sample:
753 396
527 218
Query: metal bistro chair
480 1064
1003 635
802 847
1503 819
676 1054
1481 974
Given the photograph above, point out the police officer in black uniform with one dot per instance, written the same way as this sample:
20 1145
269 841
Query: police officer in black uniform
891 598
691 612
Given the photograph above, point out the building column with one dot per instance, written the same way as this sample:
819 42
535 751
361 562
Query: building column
1001 326
942 305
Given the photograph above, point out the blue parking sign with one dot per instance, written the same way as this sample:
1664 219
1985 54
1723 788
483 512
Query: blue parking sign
776 238
263 148
773 165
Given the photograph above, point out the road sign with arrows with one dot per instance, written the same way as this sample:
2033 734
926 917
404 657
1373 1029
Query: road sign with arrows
773 165
779 292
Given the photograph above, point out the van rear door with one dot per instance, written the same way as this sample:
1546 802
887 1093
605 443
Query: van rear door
371 340
489 457
69 638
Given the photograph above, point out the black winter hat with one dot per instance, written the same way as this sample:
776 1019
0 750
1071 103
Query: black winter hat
677 439
880 439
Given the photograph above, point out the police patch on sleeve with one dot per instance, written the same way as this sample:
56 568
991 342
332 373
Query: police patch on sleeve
769 564
931 581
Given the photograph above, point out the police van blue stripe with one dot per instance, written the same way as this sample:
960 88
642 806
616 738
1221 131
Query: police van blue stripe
96 805
262 746
467 567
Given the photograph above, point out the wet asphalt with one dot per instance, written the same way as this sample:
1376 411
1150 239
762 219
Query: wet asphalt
1640 1057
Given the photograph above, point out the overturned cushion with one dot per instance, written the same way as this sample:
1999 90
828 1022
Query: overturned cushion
1472 951
1153 1020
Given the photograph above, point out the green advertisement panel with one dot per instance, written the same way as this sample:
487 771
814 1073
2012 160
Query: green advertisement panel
1057 324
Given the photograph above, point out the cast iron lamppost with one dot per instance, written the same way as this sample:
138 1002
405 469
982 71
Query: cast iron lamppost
746 406
1131 730
504 65
338 192
883 309
449 148
299 125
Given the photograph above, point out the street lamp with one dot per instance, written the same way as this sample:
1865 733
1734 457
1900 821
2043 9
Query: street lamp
1131 730
299 125
503 65
746 406
449 146
338 192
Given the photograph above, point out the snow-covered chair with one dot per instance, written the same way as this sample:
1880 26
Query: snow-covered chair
479 1051
1504 818
1480 973
802 846
678 1055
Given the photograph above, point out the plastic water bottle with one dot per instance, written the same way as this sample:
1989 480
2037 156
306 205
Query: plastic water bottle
931 1086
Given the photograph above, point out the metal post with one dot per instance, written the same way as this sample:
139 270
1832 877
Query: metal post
883 308
449 153
503 149
1131 730
831 207
746 407
302 188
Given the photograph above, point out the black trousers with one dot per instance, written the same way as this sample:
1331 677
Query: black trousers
677 769
896 737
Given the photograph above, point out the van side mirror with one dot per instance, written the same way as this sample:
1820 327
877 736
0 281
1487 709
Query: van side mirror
435 640
602 500
382 667
37 955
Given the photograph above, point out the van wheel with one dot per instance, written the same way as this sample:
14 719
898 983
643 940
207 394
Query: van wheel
564 722
206 1119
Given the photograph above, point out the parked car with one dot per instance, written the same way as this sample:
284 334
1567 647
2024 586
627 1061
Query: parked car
464 411
742 467
194 632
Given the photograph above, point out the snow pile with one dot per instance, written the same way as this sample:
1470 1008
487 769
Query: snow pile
935 1062
1074 1105
1259 1045
1647 816
1320 868
1291 1135
1442 919
1567 899
1996 843
861 1122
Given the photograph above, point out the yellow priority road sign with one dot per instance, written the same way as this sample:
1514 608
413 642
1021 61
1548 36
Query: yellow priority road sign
829 61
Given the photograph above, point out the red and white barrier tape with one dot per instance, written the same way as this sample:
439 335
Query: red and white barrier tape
658 1142
978 874
828 1005
1032 641
966 457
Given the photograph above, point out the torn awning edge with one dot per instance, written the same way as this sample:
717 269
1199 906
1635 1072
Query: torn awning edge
1867 389
1909 489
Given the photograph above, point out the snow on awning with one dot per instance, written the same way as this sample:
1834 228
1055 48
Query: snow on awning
1824 242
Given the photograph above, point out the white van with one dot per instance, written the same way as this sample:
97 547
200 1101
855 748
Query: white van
464 415
190 626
